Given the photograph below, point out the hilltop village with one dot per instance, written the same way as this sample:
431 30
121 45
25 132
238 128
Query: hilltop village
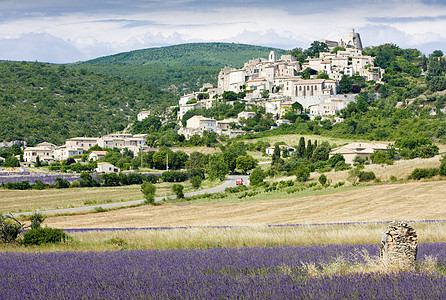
278 85
275 85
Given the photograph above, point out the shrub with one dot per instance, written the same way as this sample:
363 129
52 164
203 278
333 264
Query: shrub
257 176
366 176
302 173
10 228
177 189
196 181
419 173
339 184
45 235
148 189
322 179
61 183
36 220
236 189
174 176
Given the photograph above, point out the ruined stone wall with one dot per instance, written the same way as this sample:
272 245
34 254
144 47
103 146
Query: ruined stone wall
399 244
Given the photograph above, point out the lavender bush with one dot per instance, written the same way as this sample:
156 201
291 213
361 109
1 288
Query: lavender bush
219 273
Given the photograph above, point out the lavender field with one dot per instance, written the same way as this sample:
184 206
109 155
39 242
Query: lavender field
218 273
48 178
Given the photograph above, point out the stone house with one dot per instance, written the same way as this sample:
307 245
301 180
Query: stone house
363 150
64 152
81 142
96 155
105 167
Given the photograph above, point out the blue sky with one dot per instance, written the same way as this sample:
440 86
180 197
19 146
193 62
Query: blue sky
62 31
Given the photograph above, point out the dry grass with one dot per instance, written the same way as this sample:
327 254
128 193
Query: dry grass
15 200
32 200
249 236
401 169
405 201
293 139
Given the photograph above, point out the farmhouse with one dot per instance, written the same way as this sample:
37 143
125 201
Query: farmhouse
363 150
270 150
96 155
44 151
105 167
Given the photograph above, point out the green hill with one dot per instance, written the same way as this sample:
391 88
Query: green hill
43 102
180 68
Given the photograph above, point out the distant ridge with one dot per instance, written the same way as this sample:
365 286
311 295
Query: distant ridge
192 54
180 68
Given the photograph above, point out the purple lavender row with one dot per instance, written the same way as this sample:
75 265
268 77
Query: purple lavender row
48 178
218 273
68 230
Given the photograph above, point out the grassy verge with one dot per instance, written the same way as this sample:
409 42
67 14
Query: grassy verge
243 236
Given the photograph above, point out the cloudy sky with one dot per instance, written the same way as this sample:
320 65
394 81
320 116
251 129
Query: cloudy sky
62 31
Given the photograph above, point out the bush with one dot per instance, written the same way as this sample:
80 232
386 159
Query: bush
148 189
366 176
423 173
302 173
339 184
322 179
45 235
174 176
177 189
196 181
236 189
10 228
257 176
61 183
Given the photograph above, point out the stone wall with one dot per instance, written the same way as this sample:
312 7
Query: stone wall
399 244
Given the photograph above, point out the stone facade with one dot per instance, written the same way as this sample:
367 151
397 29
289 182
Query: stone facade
399 244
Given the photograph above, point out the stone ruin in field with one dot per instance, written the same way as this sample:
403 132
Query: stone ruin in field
399 244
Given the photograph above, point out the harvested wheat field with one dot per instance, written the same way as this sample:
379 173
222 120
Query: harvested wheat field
408 201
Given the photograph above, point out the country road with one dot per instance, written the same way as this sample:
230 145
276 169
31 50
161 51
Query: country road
230 182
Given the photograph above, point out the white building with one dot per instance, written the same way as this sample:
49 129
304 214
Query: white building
81 142
44 152
143 115
64 152
96 155
105 167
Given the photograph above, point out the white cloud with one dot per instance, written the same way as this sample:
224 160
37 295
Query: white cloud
92 28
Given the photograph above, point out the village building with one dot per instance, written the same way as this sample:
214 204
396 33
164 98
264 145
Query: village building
363 150
81 142
270 150
143 115
123 140
246 115
105 167
45 152
96 155
64 152
329 107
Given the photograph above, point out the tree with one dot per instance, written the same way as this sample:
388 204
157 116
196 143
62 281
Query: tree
297 107
11 162
316 47
148 189
257 176
302 173
217 168
300 151
265 94
196 181
345 85
229 96
246 163
276 155
177 189
230 158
